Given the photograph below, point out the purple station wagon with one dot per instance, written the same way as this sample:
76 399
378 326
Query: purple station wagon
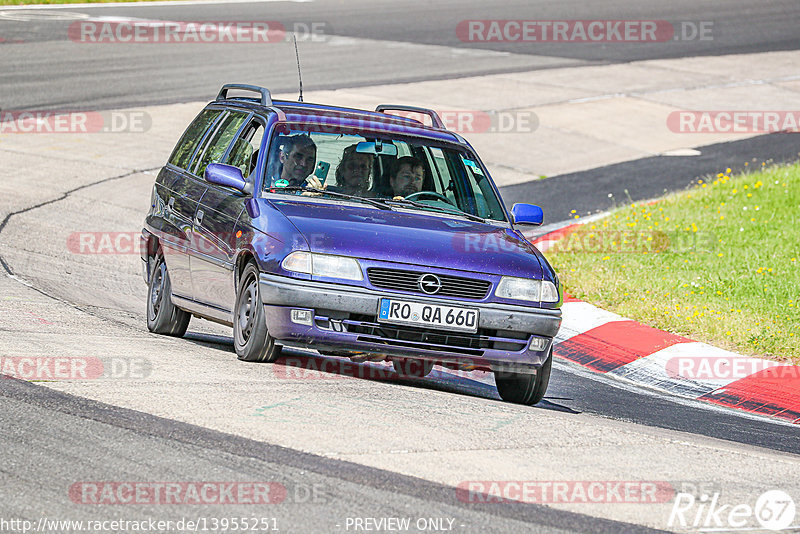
355 233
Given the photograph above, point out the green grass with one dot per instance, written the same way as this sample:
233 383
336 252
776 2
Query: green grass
32 2
718 263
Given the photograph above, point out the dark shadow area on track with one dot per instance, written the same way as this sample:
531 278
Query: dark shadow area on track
129 428
213 341
661 410
568 392
299 365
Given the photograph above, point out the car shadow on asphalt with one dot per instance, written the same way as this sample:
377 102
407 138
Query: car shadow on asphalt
213 341
296 364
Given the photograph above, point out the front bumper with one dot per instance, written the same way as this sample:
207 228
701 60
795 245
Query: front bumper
345 319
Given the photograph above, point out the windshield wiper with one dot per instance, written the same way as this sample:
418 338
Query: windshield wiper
335 194
439 209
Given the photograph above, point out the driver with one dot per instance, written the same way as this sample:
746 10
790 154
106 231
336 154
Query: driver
408 177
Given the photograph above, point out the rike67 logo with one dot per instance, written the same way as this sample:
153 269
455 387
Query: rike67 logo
773 510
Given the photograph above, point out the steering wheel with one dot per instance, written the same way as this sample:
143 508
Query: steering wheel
434 194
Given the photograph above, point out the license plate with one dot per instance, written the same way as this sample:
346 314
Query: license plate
428 315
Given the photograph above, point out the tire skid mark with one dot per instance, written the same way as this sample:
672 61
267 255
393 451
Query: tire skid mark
10 272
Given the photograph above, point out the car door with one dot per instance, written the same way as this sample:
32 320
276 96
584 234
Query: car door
218 211
177 193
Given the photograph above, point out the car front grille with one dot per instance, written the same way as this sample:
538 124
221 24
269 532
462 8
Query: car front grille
452 286
370 331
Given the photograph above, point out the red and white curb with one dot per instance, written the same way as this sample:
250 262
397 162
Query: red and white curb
607 343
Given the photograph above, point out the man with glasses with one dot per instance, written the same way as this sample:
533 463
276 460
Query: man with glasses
297 159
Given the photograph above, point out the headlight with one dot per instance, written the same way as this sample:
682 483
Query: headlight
335 267
524 289
323 265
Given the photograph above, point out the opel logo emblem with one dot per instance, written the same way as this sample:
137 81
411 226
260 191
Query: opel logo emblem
429 283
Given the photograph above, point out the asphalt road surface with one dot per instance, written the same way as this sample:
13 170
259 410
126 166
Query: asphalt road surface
320 493
360 43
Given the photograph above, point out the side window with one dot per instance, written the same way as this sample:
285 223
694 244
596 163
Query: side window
182 155
216 147
485 201
244 152
443 177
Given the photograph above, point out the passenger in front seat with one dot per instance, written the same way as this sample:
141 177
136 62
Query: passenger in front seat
353 173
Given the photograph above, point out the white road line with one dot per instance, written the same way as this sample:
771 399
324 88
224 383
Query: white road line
147 4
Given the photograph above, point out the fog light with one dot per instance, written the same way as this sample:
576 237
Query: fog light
538 344
303 317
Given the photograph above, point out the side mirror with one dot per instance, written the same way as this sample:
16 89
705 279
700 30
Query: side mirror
227 176
527 214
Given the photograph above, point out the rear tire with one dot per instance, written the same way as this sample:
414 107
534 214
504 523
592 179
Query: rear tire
523 388
163 317
412 368
251 338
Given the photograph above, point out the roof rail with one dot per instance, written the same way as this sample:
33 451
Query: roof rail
435 119
266 97
328 107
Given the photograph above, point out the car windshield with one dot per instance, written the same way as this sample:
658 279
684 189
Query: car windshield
400 172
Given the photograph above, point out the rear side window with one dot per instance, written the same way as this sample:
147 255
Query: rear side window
216 148
244 152
182 155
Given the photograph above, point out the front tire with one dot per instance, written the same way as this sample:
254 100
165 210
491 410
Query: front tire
163 317
523 388
250 336
412 368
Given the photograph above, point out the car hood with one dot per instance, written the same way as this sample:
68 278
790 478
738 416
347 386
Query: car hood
415 238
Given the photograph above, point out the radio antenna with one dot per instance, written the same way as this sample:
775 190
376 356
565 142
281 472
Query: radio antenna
299 76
